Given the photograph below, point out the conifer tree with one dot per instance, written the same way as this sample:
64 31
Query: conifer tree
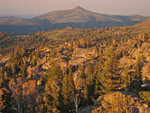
68 90
33 61
138 75
109 78
7 101
54 73
23 69
5 92
89 90
70 80
126 78
52 96
65 89
52 89
2 78
85 94
98 71
9 71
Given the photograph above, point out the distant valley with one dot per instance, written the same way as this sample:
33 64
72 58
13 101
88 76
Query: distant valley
75 18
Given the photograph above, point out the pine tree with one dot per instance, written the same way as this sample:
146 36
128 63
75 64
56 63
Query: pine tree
34 61
138 75
23 69
9 71
6 95
7 100
70 80
82 74
98 71
65 89
68 90
89 90
54 73
52 89
52 96
126 78
109 77
85 94
2 78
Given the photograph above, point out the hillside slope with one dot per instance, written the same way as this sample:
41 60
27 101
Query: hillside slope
75 15
17 21
145 24
76 18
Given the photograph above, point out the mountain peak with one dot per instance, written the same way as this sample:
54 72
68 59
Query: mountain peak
79 8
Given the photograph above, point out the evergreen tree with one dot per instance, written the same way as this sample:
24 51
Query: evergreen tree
70 80
9 71
52 96
2 78
98 71
16 69
52 89
137 79
109 77
85 94
34 61
89 90
126 78
82 74
54 73
23 70
6 94
68 90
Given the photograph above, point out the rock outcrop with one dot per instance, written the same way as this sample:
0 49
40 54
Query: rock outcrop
118 102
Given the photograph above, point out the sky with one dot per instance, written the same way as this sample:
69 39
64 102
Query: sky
31 8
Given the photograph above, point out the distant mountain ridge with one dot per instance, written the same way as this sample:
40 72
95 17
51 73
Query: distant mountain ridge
76 18
17 21
80 14
75 15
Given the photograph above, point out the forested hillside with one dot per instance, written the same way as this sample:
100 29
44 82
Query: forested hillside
105 70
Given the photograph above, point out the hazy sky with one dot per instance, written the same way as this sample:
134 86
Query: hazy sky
30 8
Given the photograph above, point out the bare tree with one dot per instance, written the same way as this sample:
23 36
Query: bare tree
76 97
